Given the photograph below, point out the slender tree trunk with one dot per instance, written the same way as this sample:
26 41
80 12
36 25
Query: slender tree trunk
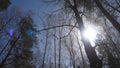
72 52
69 50
46 44
60 43
4 47
11 48
2 63
55 49
59 53
81 52
114 22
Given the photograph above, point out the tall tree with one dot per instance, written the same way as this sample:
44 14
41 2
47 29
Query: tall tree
55 49
23 53
21 43
95 62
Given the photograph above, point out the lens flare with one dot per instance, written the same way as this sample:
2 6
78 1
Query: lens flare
11 32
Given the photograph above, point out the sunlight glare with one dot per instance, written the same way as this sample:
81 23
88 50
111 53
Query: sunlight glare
90 33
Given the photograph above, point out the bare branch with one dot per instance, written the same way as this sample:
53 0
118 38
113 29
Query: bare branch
55 27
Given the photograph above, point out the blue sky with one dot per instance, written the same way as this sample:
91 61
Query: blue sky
34 5
38 7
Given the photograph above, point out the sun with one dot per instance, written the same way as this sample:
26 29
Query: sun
90 33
